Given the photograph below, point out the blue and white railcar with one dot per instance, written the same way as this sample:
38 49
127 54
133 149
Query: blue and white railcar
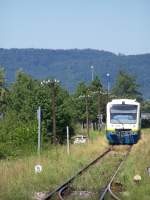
123 123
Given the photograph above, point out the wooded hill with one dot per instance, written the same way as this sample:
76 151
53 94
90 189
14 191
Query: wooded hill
73 66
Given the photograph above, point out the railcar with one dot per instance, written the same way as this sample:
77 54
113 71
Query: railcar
123 122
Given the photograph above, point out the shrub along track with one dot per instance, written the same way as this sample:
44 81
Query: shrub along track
60 190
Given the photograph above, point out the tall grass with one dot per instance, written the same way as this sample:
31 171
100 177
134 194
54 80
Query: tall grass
18 180
137 163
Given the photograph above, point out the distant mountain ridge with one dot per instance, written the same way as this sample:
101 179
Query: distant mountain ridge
73 66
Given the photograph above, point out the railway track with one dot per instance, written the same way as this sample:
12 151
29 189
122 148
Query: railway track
62 188
108 186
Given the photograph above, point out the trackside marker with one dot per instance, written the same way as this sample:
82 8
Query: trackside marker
38 169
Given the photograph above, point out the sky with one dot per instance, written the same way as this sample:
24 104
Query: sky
112 25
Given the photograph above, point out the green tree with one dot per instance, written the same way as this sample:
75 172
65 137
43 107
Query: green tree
79 102
89 95
3 91
62 109
146 106
23 96
96 85
98 99
126 86
64 116
19 125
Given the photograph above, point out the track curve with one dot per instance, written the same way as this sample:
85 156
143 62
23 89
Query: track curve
62 187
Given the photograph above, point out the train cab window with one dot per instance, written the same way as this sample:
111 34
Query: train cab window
123 113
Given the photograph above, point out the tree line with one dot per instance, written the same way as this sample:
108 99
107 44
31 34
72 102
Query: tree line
19 103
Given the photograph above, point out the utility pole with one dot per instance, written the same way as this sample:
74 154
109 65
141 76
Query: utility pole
52 85
54 112
99 112
99 95
86 97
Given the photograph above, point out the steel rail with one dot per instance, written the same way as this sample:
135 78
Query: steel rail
108 187
64 185
60 192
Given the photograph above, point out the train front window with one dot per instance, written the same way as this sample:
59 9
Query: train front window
123 113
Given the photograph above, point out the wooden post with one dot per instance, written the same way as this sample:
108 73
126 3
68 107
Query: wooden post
39 129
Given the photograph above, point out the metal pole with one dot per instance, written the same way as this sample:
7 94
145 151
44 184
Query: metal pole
99 112
39 129
68 147
92 69
108 86
87 115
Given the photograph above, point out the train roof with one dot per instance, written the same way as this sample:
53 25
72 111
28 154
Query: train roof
124 101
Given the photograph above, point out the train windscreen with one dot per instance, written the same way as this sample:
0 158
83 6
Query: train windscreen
123 113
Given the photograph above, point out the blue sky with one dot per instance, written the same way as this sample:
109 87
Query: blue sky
113 25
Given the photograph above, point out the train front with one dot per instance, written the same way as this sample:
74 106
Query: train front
123 121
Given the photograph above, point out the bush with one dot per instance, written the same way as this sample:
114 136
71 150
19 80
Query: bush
16 134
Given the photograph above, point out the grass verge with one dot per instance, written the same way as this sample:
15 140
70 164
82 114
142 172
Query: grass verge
19 181
137 163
